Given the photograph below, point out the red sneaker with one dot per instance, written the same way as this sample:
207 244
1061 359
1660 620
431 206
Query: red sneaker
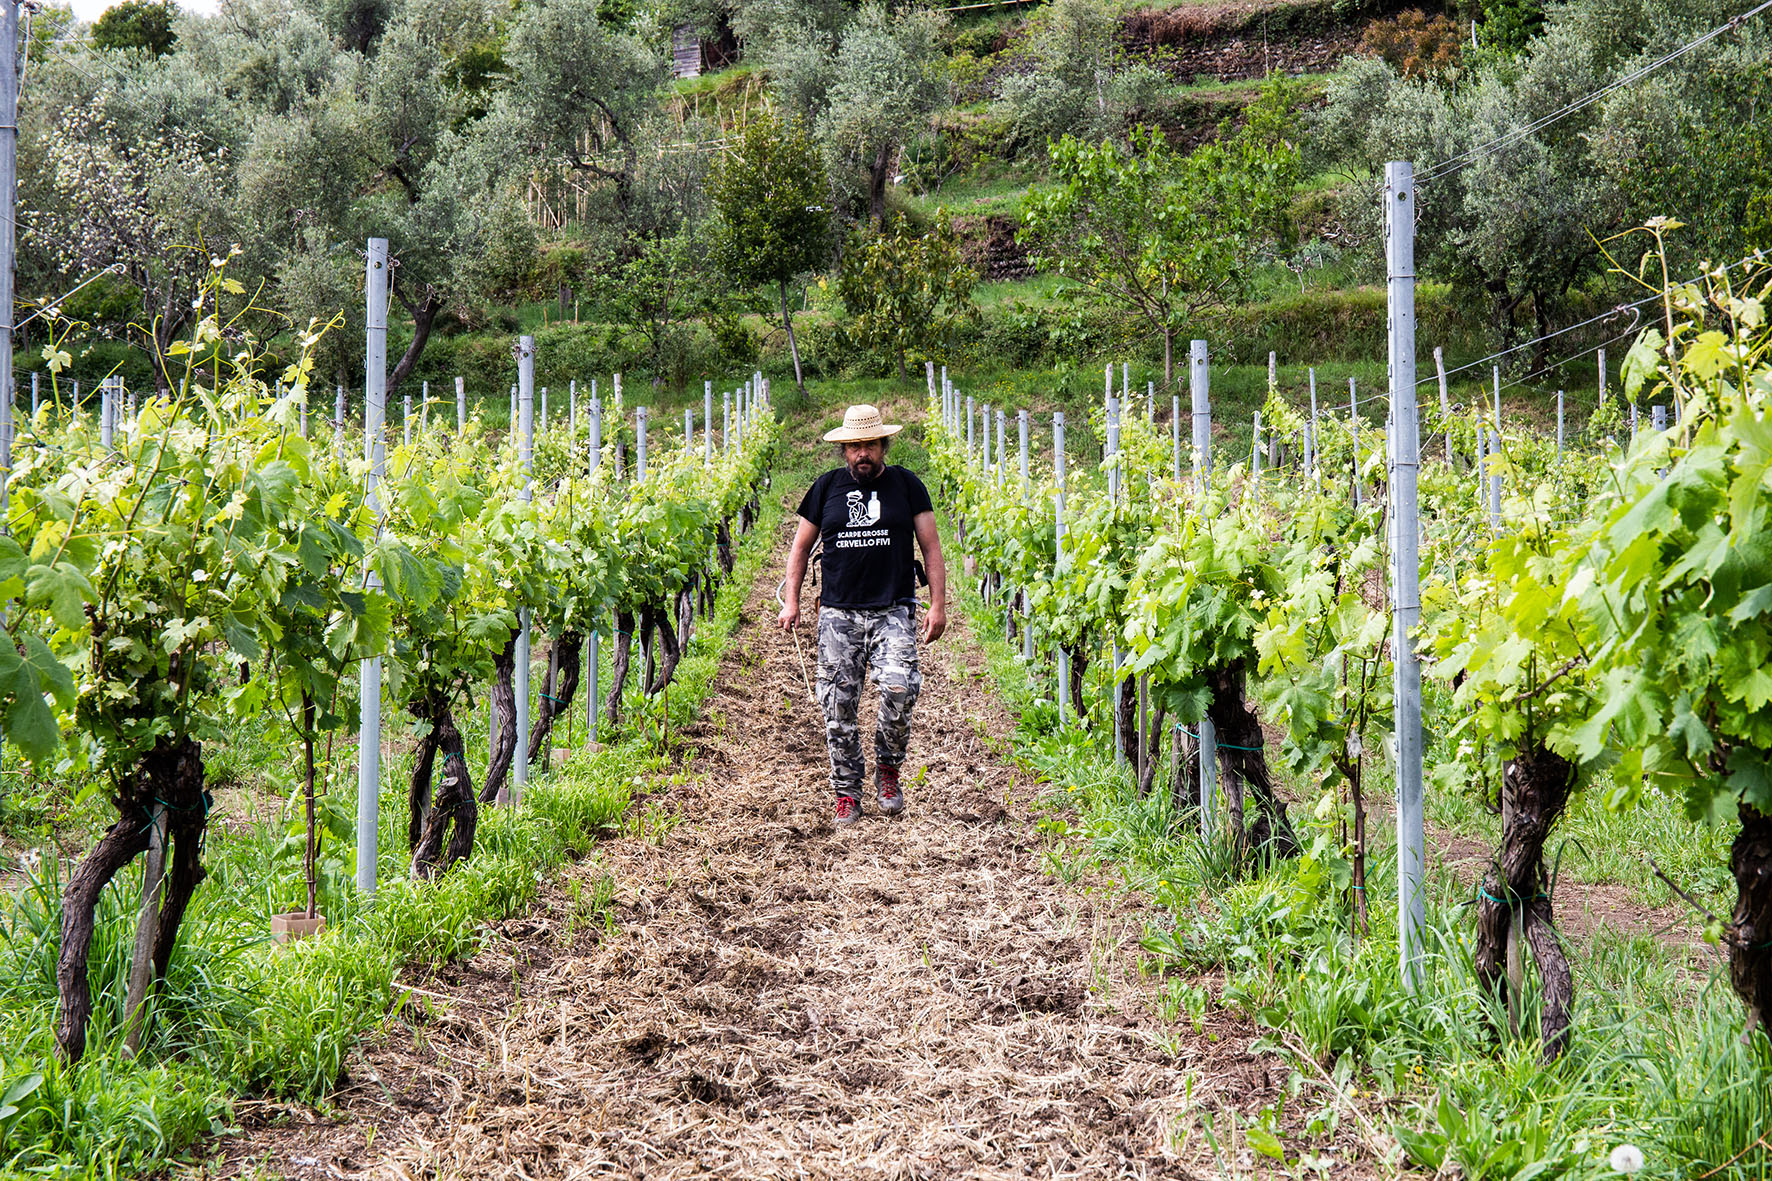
848 809
891 795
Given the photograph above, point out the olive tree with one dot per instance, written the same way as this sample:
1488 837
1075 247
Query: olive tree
1514 189
864 87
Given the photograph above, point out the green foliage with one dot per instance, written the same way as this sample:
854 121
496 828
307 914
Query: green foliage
227 534
771 199
137 24
1159 235
905 291
1508 25
1516 229
1079 80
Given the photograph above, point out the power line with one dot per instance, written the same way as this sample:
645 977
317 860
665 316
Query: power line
1471 155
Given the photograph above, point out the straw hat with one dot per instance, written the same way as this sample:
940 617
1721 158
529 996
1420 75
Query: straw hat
861 423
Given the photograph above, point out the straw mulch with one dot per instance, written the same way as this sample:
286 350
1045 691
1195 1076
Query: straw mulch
917 998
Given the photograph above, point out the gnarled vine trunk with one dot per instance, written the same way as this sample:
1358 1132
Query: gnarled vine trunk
569 650
1750 952
723 545
1079 668
1126 717
1242 767
452 813
620 659
1153 751
1514 904
172 774
418 788
668 651
504 705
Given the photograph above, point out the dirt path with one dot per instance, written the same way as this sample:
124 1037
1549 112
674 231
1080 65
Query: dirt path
915 998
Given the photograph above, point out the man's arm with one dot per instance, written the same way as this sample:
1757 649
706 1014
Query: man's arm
929 540
804 539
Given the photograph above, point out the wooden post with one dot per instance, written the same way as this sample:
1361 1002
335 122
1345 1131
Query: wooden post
147 931
640 444
1064 660
1200 385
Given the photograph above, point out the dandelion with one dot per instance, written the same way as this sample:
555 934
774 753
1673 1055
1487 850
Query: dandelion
1626 1158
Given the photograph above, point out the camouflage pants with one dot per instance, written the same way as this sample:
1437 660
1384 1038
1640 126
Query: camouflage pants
850 645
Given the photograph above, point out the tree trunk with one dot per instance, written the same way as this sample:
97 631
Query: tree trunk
423 316
172 775
570 649
504 700
1243 763
453 811
787 321
1535 788
877 185
1169 357
1750 954
624 645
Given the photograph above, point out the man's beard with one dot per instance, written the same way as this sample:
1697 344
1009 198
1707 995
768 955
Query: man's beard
865 470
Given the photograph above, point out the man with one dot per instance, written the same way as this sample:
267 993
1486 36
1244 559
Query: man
867 512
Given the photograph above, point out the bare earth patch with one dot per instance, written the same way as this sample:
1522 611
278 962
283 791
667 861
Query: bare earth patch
910 998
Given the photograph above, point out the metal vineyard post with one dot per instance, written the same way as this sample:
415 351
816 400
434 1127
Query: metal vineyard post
375 392
526 454
1405 562
1200 390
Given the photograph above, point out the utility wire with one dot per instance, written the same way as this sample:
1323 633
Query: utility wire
1471 155
1756 256
1521 380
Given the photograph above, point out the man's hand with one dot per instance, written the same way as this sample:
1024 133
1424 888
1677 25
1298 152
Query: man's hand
929 540
804 538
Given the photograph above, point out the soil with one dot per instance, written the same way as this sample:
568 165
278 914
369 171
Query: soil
915 997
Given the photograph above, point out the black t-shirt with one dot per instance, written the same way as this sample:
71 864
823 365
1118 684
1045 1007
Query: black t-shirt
867 536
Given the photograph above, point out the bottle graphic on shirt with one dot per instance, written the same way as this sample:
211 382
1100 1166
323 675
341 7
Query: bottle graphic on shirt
862 514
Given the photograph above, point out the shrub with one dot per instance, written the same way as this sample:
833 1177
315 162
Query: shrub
1416 45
